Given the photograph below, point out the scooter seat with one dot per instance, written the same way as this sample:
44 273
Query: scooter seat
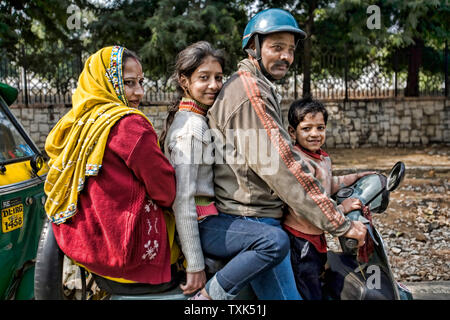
212 265
48 282
120 288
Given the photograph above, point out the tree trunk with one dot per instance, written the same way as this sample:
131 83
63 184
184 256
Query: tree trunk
414 63
312 5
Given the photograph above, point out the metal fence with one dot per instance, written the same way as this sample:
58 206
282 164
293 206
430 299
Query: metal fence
334 76
331 78
58 88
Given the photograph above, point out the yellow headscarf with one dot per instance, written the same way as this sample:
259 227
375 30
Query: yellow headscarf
77 143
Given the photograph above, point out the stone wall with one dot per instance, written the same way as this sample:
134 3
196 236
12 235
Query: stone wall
39 119
402 122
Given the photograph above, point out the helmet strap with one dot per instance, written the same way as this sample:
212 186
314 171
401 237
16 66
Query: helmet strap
258 58
257 55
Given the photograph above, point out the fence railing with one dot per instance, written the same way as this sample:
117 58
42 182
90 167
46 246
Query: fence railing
331 78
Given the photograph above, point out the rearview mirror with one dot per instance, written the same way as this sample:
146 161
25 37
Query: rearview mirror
36 163
395 176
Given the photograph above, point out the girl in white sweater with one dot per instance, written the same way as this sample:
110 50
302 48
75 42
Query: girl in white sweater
198 78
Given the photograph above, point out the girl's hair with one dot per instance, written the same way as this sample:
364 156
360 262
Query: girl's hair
188 60
300 108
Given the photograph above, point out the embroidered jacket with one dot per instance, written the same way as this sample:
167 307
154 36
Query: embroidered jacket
119 230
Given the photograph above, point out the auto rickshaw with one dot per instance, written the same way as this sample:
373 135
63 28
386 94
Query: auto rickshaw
22 174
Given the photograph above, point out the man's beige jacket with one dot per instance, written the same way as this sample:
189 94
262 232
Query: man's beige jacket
257 170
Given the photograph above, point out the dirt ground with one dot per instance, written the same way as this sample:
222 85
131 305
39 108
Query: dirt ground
416 225
384 158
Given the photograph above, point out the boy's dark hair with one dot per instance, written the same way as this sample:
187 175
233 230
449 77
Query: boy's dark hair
300 108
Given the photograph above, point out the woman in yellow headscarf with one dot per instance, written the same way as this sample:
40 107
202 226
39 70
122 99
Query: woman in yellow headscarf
109 181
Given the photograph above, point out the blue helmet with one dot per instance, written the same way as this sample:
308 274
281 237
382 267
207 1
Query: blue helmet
271 21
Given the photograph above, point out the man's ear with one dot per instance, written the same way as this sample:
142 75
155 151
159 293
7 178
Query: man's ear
251 44
251 49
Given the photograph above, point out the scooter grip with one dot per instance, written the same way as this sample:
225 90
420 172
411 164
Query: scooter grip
351 243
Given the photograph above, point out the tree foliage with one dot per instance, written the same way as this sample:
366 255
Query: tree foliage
177 24
420 30
120 22
34 35
35 31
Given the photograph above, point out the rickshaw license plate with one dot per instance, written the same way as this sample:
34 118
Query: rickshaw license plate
12 215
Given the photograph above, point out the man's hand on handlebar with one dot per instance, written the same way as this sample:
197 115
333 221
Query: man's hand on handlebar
357 231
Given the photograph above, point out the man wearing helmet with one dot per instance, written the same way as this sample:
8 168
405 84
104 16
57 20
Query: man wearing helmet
251 188
280 32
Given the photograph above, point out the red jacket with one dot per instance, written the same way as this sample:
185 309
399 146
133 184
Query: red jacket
119 230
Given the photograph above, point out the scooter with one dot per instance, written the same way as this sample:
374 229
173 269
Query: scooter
365 273
57 277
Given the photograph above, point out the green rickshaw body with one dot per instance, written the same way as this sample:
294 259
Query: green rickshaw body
22 199
18 247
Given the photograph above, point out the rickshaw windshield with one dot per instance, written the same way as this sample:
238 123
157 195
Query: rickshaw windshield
13 146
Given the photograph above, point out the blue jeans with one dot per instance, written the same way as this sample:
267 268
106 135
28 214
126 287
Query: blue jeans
258 253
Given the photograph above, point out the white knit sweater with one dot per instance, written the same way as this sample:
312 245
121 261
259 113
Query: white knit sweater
184 145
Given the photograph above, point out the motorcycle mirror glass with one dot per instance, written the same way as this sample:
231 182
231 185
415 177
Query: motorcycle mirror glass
395 176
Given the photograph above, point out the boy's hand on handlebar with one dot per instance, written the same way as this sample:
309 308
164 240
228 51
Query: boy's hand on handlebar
365 173
357 231
351 204
194 282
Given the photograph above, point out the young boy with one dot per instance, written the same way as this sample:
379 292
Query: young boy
307 124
